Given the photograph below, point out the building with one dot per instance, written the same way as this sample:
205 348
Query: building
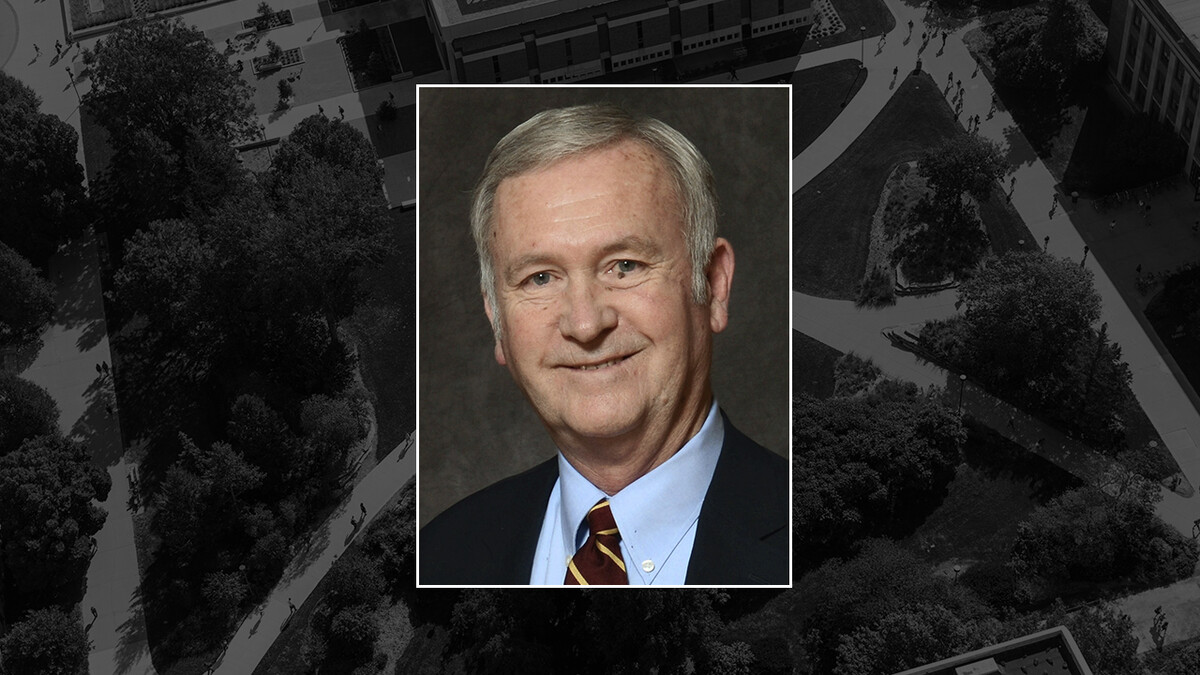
1153 56
1048 652
547 41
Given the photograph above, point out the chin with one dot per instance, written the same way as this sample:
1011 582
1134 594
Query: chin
600 420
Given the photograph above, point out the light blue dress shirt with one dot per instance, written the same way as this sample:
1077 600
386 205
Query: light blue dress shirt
656 514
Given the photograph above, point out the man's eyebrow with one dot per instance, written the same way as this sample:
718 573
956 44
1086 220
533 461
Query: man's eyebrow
633 244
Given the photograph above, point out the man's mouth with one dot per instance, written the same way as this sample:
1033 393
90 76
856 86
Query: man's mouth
605 364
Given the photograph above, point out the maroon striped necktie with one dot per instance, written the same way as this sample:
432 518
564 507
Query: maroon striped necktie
598 562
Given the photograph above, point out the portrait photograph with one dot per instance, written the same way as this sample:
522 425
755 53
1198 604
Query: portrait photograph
478 426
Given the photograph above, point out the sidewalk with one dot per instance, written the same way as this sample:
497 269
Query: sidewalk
74 344
260 628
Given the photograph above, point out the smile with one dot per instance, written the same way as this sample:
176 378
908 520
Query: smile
600 366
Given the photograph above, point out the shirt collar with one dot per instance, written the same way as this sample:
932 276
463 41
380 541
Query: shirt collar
655 511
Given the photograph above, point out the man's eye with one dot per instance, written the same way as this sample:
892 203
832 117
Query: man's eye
626 266
540 279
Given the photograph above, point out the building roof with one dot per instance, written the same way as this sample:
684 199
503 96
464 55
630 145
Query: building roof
1186 14
1048 652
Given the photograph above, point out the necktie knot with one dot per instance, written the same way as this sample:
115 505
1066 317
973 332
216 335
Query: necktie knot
598 561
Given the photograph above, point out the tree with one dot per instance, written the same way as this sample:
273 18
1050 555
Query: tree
264 439
47 641
1087 534
321 139
26 411
862 467
26 299
1104 634
158 85
223 592
1071 36
882 579
962 164
195 92
353 631
355 580
1026 314
41 182
392 540
907 638
48 490
15 93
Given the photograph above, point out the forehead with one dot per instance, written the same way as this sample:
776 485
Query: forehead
627 182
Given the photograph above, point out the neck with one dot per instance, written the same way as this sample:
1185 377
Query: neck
611 464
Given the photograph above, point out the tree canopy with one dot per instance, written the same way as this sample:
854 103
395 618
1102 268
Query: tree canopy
48 490
962 164
860 466
1087 534
165 77
172 106
41 181
26 299
26 411
47 641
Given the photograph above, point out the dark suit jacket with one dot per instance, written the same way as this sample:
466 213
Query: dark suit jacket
741 539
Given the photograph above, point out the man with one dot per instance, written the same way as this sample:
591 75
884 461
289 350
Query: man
604 282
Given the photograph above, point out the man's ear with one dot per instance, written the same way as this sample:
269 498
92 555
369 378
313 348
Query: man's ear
720 284
493 319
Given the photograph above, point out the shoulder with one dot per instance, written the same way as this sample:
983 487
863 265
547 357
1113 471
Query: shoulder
743 537
484 538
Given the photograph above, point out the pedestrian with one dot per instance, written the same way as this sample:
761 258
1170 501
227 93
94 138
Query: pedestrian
944 34
291 607
1112 224
1012 182
392 96
1012 422
896 71
320 109
95 614
1139 269
950 78
108 409
1046 243
910 26
363 507
37 51
1038 446
341 113
99 370
924 38
104 365
733 76
959 84
70 75
57 48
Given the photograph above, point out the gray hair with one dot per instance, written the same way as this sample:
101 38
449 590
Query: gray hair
556 134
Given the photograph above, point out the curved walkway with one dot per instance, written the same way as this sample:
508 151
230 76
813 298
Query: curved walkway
1064 227
259 629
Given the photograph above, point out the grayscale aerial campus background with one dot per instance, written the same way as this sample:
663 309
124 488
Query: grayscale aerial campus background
208 290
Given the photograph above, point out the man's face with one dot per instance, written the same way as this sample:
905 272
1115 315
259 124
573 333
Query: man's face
593 288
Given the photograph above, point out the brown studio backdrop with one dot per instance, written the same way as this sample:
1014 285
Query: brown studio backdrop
475 426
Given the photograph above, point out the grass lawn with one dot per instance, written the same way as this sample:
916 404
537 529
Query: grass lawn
812 366
832 82
832 214
996 487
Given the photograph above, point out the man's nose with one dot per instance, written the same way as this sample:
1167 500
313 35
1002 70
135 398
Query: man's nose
587 312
